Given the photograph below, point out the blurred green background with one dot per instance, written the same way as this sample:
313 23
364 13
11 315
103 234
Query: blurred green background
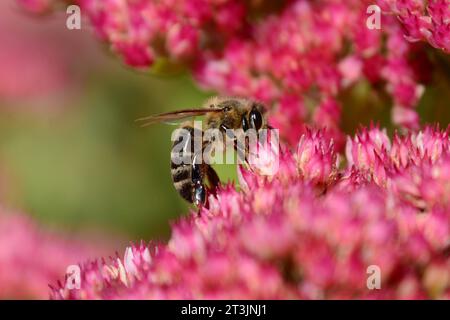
92 165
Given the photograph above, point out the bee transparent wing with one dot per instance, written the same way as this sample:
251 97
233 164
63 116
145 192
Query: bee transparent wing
175 115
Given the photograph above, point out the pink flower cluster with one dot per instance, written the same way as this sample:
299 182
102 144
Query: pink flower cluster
31 258
143 31
315 228
311 231
423 20
36 6
296 56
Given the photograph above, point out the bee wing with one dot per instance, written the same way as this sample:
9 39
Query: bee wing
175 115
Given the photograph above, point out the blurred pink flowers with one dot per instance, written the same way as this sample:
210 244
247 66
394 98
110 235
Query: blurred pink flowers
36 6
31 258
423 20
39 67
311 231
291 55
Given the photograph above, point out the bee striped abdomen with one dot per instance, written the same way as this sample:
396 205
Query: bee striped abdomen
182 173
196 180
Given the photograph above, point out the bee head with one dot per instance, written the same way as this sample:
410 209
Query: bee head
238 114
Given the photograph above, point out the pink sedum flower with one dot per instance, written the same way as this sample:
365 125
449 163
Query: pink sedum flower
316 159
423 20
312 229
182 41
364 149
288 237
298 59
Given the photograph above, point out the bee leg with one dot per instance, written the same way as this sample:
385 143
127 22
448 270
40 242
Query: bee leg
199 195
199 192
239 150
213 179
224 128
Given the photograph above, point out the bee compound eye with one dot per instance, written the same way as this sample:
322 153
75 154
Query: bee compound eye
255 119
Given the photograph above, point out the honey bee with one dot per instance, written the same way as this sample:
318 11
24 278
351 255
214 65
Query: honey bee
220 113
